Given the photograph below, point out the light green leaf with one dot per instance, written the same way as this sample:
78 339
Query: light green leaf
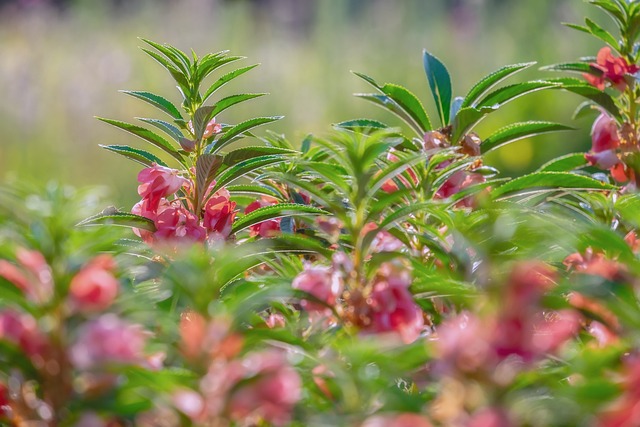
564 163
157 101
247 166
506 94
232 100
239 129
360 124
489 81
466 119
246 153
168 128
602 34
549 181
518 131
274 211
225 79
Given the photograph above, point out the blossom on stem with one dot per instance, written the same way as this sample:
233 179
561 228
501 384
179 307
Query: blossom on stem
158 182
175 223
605 140
613 68
219 213
212 128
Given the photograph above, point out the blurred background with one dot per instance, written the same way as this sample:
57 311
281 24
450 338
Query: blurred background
63 61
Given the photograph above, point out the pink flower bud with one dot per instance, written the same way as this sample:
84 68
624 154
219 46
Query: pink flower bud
604 134
94 288
462 344
490 417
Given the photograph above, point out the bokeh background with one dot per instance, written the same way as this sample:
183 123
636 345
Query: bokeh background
63 62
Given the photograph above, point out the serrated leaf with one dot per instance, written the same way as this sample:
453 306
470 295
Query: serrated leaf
489 81
157 101
583 110
394 217
518 131
506 94
466 119
147 135
297 243
611 9
390 105
245 167
246 153
123 219
583 88
602 34
564 163
239 129
550 180
178 58
168 128
440 84
178 75
135 154
207 165
206 69
232 100
252 189
225 79
274 211
360 124
201 117
578 67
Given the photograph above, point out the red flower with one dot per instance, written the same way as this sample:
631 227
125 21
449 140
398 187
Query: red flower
614 69
94 288
219 214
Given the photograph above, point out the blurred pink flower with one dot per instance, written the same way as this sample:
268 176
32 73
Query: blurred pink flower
383 241
108 339
189 403
614 69
272 390
34 278
275 320
219 214
554 329
94 288
462 344
4 400
604 142
457 182
158 182
22 330
490 417
399 420
321 282
392 306
268 228
210 338
596 264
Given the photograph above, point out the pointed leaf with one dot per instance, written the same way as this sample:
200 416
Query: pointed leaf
489 81
565 163
602 34
224 80
201 117
551 181
147 135
583 88
252 189
440 84
207 166
466 119
505 94
135 154
124 219
245 167
179 59
578 67
229 101
274 211
157 101
360 124
238 130
246 153
518 131
389 104
178 75
204 71
168 128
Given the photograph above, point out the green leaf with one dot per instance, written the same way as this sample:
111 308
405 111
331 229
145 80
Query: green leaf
489 81
440 84
229 101
602 34
275 211
466 119
157 101
225 79
611 9
239 129
518 131
253 189
389 104
246 153
506 94
564 163
409 103
583 88
577 27
360 125
550 181
178 75
245 167
112 216
578 67
135 154
168 128
298 243
147 135
208 68
207 165
179 59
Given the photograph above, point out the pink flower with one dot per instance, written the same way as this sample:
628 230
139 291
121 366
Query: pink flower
614 69
94 288
321 282
34 278
211 128
554 329
392 306
457 182
219 214
158 182
275 320
462 344
400 420
22 330
383 241
268 228
604 142
212 338
272 390
108 339
178 224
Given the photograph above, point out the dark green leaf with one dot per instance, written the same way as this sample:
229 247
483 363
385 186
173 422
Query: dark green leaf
583 88
275 211
564 163
168 128
229 101
111 216
224 80
179 59
157 101
466 119
440 84
518 131
245 167
135 154
484 85
505 94
578 67
389 104
246 153
549 181
360 125
253 189
178 75
238 130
